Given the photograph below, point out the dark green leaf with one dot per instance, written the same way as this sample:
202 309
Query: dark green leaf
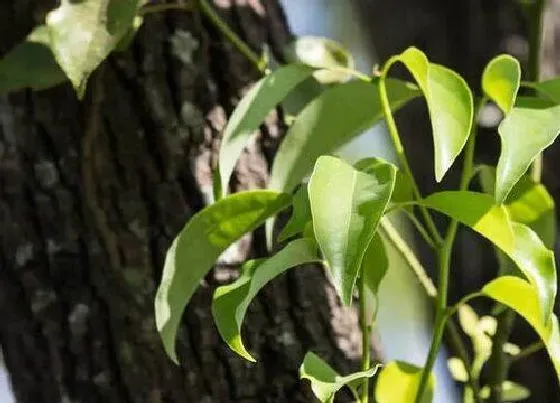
374 266
231 301
399 381
301 215
524 133
450 104
329 121
523 298
550 89
403 187
83 33
193 252
30 64
325 381
479 212
346 206
500 81
251 112
533 102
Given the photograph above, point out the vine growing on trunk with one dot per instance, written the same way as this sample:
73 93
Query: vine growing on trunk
341 216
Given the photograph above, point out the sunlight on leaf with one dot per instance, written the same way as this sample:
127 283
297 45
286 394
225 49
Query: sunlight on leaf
398 382
500 81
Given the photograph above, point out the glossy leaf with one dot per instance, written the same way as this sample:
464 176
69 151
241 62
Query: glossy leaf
194 251
550 89
231 301
335 117
500 81
251 112
30 64
301 215
524 134
374 266
346 206
450 104
80 47
398 382
523 298
479 212
325 381
329 56
403 187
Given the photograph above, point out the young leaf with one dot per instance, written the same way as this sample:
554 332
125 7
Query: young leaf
325 381
230 302
346 206
252 110
321 53
30 64
550 89
193 252
335 117
374 266
500 81
450 104
524 133
83 33
301 215
520 243
398 382
523 298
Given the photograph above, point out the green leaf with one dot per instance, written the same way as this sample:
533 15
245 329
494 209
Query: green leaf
533 102
193 252
301 215
83 33
230 302
374 266
403 186
523 298
399 381
524 133
550 89
252 110
329 121
321 53
511 392
457 369
126 40
479 212
346 206
30 64
325 381
450 105
500 81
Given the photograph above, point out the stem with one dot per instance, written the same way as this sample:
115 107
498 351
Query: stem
498 362
366 328
394 133
231 36
530 349
534 64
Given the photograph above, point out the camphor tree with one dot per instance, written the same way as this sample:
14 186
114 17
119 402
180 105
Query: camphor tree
339 219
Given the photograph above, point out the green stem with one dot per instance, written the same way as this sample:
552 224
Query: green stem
498 362
366 328
232 37
532 348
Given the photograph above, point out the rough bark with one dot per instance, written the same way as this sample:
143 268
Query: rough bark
92 194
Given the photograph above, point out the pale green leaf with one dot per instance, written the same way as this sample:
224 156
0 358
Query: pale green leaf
251 112
479 212
524 134
30 64
457 369
523 298
329 121
301 215
83 33
450 105
500 81
346 206
194 251
325 381
374 266
330 58
398 382
230 302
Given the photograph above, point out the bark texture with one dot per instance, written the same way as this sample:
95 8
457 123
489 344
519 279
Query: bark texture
91 196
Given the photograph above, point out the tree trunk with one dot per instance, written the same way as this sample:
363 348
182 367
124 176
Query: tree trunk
91 196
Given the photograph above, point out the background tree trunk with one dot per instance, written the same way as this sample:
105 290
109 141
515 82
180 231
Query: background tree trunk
91 196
